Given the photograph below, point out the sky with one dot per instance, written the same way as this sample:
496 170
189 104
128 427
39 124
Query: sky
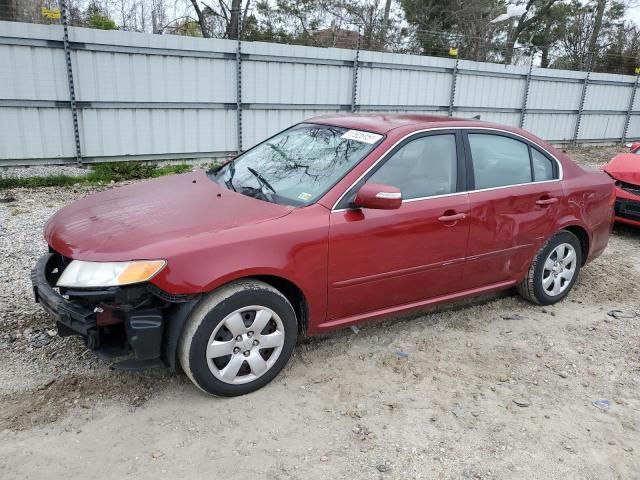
633 13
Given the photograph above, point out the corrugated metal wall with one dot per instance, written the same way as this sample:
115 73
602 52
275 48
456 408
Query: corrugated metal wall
143 96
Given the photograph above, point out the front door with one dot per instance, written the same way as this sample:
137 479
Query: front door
382 259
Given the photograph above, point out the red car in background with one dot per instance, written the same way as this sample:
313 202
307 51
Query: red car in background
333 222
624 168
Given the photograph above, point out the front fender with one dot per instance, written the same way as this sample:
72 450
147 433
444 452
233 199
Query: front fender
293 248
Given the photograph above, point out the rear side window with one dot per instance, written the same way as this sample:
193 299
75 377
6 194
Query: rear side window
498 160
424 167
542 166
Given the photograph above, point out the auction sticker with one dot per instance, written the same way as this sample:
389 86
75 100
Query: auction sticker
364 137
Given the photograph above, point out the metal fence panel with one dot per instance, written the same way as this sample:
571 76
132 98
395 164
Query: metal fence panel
601 127
125 77
634 128
295 83
142 96
552 127
384 86
486 91
505 118
261 124
387 79
30 73
35 133
152 131
608 97
553 94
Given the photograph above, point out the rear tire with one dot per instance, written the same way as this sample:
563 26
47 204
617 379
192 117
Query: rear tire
238 338
554 270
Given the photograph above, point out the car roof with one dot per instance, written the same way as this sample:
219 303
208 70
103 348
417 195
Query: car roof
383 123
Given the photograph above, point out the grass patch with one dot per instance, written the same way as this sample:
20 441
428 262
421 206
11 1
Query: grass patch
98 173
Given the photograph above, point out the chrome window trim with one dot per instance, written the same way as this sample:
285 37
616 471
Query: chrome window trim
426 130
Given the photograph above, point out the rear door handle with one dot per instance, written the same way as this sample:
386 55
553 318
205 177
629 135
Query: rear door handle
453 218
547 201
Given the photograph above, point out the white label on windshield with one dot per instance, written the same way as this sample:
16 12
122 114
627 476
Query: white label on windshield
364 137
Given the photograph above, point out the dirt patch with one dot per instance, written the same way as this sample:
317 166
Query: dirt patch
53 398
594 157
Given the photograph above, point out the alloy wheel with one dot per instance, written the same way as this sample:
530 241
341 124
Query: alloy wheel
245 344
559 269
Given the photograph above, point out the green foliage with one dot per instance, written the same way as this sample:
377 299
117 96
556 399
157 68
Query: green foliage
171 170
102 22
440 24
36 182
97 17
188 28
120 171
100 173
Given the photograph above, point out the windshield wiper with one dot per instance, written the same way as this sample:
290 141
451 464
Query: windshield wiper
255 193
261 179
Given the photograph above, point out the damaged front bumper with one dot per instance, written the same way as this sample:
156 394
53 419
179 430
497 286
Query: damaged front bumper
138 325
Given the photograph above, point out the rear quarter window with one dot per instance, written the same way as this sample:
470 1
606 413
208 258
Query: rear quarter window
542 166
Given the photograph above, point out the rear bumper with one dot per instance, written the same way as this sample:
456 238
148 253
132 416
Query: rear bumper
141 325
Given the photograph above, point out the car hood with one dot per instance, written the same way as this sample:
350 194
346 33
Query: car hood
130 222
625 167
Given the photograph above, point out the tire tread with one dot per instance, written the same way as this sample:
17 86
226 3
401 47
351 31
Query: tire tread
207 303
526 288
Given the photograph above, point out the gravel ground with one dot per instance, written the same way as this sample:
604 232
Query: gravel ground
493 388
41 171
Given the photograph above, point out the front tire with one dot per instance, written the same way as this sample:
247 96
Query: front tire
554 270
238 338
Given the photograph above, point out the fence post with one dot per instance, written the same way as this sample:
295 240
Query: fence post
525 98
72 90
454 81
582 98
239 84
354 82
632 99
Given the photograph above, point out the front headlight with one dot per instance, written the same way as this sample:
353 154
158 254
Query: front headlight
79 274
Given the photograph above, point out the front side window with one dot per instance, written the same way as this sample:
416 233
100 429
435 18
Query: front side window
297 166
498 160
424 167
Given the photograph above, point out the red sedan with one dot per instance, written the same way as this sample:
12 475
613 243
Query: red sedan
333 222
624 168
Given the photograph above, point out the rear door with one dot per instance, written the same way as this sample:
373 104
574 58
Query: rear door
380 259
514 199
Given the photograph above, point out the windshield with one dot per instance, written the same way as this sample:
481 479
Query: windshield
297 166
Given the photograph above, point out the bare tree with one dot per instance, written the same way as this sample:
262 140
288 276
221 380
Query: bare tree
524 21
202 19
597 25
385 22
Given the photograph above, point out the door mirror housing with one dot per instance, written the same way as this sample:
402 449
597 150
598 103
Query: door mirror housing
378 196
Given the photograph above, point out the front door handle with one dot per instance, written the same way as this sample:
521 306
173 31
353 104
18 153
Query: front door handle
547 201
452 218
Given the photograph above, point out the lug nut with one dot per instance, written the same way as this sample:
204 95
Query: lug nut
246 353
255 342
250 334
239 338
236 350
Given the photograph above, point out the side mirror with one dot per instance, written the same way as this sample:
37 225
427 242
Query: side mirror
378 196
